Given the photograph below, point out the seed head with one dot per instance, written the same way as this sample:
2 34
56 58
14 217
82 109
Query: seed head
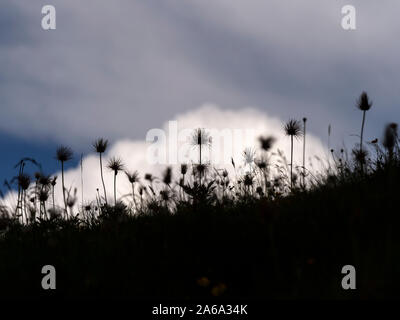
201 137
184 168
248 180
292 128
390 136
100 145
24 181
363 102
266 142
64 154
167 176
43 194
115 164
133 177
249 155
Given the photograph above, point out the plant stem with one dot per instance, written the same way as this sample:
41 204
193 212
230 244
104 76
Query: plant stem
304 154
133 195
82 181
115 188
102 179
291 162
362 130
361 140
54 204
200 163
63 188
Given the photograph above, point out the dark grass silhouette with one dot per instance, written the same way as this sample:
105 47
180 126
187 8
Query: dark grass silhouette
206 234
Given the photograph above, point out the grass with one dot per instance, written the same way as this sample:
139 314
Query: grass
260 235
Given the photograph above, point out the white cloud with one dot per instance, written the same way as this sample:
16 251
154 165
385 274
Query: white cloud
134 153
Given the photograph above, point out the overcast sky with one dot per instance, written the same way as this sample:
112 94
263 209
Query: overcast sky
119 68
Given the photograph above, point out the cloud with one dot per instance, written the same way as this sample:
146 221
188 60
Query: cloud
134 153
117 68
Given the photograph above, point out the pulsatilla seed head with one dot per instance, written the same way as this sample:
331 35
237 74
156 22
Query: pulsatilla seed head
64 154
292 128
363 102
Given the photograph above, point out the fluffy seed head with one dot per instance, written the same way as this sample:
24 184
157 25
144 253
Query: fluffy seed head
64 154
201 137
115 164
100 145
133 177
292 128
266 142
363 102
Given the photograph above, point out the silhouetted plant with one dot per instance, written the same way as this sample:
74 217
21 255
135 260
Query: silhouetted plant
390 139
199 139
266 143
63 154
249 156
304 151
248 182
100 145
133 178
167 179
21 165
115 165
364 104
24 181
53 184
71 200
43 195
293 130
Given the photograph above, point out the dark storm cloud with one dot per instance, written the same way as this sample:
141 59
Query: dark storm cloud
119 68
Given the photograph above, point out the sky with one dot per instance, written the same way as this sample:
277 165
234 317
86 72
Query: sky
117 69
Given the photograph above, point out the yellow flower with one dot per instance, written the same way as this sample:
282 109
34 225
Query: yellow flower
218 290
203 282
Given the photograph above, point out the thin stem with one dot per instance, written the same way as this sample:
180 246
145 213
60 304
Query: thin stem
291 162
200 164
102 179
115 188
361 139
133 195
304 154
44 210
362 130
82 181
63 188
54 203
19 190
24 204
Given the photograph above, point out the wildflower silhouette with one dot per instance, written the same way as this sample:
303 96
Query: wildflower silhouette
293 130
390 138
364 104
24 181
64 154
184 169
249 156
115 165
133 178
53 184
266 143
304 151
199 139
100 145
